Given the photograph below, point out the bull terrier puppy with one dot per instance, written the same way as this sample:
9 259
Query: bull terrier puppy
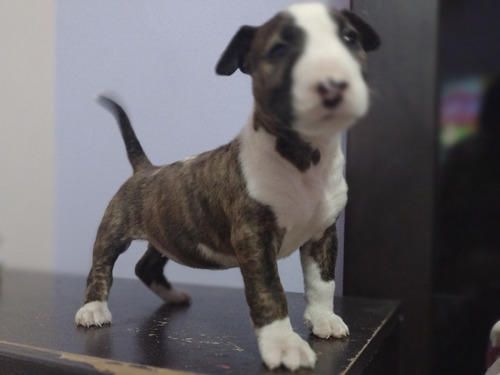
278 186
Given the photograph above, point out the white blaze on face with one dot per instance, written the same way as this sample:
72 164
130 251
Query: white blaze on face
325 56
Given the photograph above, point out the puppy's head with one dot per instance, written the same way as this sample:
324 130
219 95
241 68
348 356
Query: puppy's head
308 67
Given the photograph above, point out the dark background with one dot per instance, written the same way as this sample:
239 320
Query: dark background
396 233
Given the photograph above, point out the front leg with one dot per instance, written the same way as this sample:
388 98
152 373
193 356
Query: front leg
278 344
318 265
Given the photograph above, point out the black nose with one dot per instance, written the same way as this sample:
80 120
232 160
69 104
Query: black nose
331 91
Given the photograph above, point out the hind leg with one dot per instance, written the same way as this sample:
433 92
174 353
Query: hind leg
108 246
150 270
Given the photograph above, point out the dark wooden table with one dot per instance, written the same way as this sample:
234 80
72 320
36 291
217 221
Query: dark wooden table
212 336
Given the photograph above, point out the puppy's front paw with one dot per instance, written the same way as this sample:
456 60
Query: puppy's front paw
325 324
279 345
94 313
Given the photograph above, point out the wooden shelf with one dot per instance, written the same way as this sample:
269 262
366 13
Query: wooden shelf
212 336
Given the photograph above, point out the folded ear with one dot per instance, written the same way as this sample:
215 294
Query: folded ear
235 55
369 38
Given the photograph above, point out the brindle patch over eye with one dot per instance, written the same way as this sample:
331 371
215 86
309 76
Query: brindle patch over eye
292 34
290 39
277 52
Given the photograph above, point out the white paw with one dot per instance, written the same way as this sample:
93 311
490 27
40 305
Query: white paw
325 324
279 345
94 313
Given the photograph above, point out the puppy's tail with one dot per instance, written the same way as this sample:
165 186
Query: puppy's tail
135 153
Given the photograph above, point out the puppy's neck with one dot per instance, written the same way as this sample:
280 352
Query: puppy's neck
303 152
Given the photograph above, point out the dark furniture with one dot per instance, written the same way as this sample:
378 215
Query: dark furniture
212 336
396 241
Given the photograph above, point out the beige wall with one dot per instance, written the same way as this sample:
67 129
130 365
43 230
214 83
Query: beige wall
27 30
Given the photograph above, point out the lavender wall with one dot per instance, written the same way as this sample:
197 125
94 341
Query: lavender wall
159 58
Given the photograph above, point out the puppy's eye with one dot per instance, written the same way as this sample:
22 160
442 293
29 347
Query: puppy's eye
351 39
278 51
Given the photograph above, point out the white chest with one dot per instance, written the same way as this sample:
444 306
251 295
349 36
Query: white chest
305 203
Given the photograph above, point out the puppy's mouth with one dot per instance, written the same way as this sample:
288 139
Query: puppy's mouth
332 101
330 104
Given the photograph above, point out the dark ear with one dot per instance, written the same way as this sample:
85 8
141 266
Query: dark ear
369 38
234 56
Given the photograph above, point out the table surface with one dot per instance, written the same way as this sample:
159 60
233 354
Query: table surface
212 336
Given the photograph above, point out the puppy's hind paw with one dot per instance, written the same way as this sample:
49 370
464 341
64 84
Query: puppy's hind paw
279 345
93 313
172 296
